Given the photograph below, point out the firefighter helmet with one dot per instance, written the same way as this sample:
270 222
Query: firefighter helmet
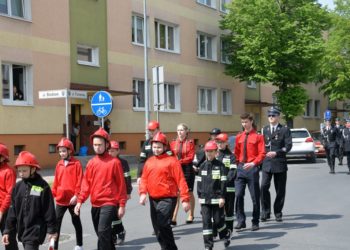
215 131
153 125
115 144
26 158
210 145
160 137
4 151
65 142
222 137
100 133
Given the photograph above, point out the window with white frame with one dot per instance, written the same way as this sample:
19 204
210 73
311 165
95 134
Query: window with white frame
210 3
167 36
251 84
16 84
137 29
308 108
226 102
207 100
171 97
16 8
317 110
206 46
138 86
224 51
223 4
88 55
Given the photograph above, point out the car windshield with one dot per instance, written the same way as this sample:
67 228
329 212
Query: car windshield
316 135
300 134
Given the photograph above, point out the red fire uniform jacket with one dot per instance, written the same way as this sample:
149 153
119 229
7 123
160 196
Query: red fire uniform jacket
255 147
7 182
162 177
67 182
104 181
187 153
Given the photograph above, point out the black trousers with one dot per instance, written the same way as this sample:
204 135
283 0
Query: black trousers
230 206
209 212
102 218
331 153
347 153
280 181
30 246
340 153
117 225
161 213
60 211
12 237
251 178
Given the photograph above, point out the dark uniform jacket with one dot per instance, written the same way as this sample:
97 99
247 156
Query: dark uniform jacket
329 137
211 182
340 141
346 139
228 159
280 142
127 176
146 152
32 211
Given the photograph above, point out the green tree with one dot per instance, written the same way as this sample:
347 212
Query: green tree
335 65
278 42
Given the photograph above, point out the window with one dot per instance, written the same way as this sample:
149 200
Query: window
224 51
223 4
207 100
137 29
167 37
122 145
206 46
226 102
308 108
139 99
16 8
16 84
210 3
251 84
171 97
18 149
52 148
88 55
317 112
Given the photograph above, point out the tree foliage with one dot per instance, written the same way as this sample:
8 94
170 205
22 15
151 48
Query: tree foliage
278 42
335 65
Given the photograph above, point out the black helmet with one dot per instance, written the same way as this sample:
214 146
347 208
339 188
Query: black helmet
215 131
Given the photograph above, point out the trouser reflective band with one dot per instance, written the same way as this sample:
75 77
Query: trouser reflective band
116 222
126 174
198 178
214 201
230 189
201 201
207 232
231 218
221 228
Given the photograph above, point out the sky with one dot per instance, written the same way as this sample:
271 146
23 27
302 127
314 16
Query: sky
327 2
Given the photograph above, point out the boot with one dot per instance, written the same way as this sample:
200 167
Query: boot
332 170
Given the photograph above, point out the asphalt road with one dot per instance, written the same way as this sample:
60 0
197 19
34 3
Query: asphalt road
316 217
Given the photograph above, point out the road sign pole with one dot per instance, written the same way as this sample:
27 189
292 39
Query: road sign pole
67 118
158 99
145 35
102 122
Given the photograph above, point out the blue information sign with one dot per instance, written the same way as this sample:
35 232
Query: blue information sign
327 115
101 104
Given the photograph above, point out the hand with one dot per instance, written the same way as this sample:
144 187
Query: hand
138 181
248 165
221 202
143 198
73 200
186 206
52 236
128 196
121 212
1 214
5 239
77 208
271 154
195 168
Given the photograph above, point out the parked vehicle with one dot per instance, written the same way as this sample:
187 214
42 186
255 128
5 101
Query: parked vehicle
303 145
319 148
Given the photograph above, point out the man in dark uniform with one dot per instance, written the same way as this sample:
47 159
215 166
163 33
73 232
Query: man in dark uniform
278 142
329 141
346 141
340 145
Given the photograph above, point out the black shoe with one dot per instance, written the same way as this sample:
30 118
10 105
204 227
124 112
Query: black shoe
173 223
227 240
265 217
340 164
154 232
188 221
240 225
279 218
208 248
255 227
348 172
121 238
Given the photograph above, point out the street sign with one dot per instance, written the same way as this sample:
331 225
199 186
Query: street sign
49 94
101 104
77 94
327 115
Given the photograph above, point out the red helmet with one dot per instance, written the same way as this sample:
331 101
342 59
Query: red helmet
115 144
222 137
65 142
26 158
210 145
153 125
160 137
100 133
4 151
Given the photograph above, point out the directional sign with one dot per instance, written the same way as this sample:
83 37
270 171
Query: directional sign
49 94
327 115
77 94
101 104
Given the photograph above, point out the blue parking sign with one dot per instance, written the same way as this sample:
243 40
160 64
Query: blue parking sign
327 115
101 104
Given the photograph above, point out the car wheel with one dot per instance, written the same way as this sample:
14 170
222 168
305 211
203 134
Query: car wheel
311 159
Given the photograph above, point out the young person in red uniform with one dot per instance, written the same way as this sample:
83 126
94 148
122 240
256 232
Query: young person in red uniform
104 181
32 210
162 178
211 190
184 150
117 225
7 182
66 188
249 153
228 159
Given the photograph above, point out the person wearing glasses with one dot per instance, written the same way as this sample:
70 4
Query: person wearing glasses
278 142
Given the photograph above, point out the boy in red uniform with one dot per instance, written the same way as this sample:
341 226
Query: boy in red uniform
117 225
7 182
66 188
162 177
104 181
32 211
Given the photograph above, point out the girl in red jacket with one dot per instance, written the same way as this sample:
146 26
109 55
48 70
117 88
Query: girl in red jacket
162 177
66 188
